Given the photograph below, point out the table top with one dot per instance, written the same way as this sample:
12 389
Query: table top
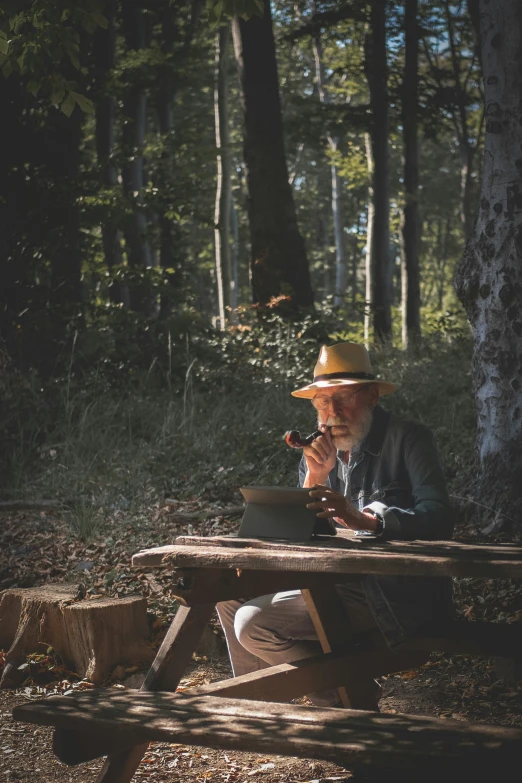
341 554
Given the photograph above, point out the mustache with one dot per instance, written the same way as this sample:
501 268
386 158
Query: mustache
336 421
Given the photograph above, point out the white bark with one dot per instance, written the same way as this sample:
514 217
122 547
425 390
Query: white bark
489 278
235 258
223 190
369 243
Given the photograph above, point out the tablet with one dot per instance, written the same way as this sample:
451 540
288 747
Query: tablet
280 512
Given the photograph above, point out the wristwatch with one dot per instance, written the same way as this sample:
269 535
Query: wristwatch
379 526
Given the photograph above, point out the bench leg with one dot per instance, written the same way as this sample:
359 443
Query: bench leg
331 624
165 673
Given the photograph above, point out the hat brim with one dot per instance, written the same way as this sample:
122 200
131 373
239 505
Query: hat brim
308 392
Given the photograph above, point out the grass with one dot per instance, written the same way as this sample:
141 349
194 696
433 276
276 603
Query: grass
98 447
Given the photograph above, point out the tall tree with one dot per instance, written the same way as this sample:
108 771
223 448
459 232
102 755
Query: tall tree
104 60
454 67
489 277
409 228
376 69
222 211
135 110
369 249
62 138
178 22
337 212
279 262
164 99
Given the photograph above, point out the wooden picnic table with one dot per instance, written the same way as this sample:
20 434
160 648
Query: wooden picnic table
208 570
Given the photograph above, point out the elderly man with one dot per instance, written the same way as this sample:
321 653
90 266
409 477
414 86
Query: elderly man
376 474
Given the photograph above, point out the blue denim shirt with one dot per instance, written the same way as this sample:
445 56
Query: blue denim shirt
396 472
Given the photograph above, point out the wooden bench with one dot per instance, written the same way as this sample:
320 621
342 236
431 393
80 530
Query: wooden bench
206 571
360 741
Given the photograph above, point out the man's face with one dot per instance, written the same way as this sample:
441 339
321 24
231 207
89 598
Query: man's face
348 411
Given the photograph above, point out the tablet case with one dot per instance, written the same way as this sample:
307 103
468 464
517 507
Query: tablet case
280 512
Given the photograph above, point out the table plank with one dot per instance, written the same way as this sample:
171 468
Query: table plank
346 539
443 558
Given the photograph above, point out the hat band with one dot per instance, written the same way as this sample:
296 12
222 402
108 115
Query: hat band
355 376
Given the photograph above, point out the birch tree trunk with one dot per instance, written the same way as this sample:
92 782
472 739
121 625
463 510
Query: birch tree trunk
489 276
224 279
409 229
368 264
377 74
135 110
337 213
279 263
235 258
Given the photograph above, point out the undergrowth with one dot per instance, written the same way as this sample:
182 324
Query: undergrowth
100 445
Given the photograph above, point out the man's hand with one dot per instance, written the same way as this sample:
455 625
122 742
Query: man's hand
321 458
332 504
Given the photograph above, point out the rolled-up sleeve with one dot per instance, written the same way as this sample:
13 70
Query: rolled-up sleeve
431 516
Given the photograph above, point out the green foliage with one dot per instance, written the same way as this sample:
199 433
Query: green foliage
157 401
228 9
42 43
208 413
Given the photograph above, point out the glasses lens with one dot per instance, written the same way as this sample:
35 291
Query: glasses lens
342 400
321 403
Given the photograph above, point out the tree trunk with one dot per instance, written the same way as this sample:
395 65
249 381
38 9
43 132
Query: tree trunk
15 282
135 110
235 259
355 259
474 15
489 276
466 149
91 637
368 264
377 74
169 256
279 263
337 213
410 216
104 60
223 188
66 296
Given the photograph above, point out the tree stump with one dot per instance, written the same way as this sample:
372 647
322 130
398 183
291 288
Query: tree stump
91 636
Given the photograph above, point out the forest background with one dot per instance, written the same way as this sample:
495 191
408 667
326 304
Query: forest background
188 212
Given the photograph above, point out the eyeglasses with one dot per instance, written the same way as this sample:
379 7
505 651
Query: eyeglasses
341 400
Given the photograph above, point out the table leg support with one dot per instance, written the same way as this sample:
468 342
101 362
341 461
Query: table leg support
332 627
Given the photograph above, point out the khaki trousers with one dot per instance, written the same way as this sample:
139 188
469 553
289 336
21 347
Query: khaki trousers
277 628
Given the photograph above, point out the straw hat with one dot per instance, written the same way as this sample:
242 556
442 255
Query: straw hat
342 364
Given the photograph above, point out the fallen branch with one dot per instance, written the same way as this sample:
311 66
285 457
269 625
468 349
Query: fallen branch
33 505
201 516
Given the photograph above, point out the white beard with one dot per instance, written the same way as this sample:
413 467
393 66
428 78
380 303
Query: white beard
358 429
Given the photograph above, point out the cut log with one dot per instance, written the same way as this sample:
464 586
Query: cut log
91 636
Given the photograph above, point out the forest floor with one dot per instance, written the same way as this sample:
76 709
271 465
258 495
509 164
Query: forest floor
38 547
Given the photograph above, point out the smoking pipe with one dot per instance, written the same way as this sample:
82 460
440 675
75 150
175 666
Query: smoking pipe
295 440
